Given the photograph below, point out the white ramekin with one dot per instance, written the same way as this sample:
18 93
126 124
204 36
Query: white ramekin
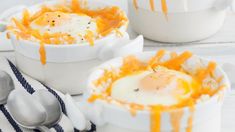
186 20
68 65
112 117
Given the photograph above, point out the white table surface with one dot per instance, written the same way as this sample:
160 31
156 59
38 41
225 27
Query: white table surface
220 47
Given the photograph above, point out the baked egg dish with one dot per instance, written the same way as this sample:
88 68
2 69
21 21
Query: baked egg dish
67 23
166 82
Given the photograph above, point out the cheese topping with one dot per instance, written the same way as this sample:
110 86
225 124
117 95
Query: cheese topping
152 6
135 4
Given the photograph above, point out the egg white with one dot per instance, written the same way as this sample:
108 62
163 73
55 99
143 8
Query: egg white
77 26
128 89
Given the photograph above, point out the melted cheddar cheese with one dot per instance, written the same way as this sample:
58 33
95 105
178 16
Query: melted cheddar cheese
135 4
152 6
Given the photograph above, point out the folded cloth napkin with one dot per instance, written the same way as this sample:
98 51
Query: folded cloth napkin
29 85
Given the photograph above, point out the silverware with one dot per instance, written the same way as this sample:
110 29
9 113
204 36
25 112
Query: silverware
40 110
27 111
6 86
52 106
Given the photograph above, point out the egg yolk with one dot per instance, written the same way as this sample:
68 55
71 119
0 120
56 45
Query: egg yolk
157 80
161 86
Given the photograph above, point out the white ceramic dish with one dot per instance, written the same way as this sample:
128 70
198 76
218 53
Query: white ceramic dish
116 118
6 5
68 65
187 20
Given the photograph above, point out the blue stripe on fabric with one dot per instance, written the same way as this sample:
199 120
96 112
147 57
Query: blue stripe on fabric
58 128
10 119
93 127
76 130
36 130
31 90
21 79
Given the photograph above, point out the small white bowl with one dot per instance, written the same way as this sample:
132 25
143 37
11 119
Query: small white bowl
109 116
186 20
68 65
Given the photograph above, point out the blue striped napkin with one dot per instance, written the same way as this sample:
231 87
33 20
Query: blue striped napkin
21 81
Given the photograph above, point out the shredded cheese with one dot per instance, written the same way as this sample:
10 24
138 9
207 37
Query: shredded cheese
89 37
164 7
152 5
